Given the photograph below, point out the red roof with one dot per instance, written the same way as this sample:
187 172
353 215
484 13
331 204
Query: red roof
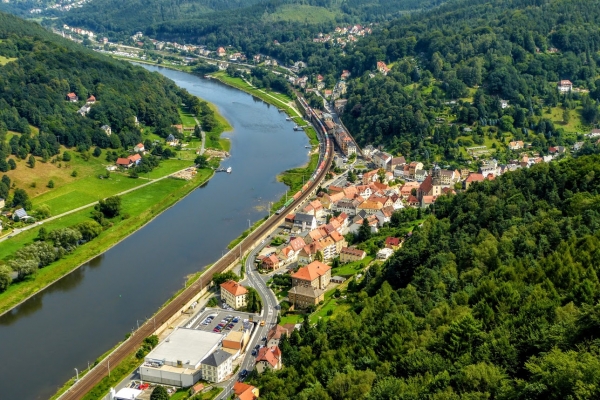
71 95
269 354
134 157
312 271
234 288
123 161
243 391
474 178
392 241
91 98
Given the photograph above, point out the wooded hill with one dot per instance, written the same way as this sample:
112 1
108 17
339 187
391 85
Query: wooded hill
458 62
221 23
37 71
494 297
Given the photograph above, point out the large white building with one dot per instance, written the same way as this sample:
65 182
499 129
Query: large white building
177 360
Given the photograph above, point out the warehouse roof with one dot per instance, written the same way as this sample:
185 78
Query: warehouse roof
190 346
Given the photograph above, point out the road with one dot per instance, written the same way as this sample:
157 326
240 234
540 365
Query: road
203 136
269 315
87 382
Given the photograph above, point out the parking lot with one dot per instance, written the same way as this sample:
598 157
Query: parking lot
222 321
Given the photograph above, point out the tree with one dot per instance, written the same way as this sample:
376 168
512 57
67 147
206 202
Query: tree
159 393
23 268
111 207
201 161
43 211
253 301
219 278
364 232
21 198
66 156
319 256
12 164
67 238
566 116
89 229
50 184
31 161
5 277
97 152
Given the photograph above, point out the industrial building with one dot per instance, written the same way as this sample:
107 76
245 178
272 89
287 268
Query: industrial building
177 360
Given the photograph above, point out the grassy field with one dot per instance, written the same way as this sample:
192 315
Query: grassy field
5 60
187 118
141 206
351 268
280 102
575 124
213 137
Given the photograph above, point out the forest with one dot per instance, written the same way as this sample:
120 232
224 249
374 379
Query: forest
41 69
458 62
494 296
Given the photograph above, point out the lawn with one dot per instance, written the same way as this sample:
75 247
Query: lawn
187 118
575 124
330 305
140 206
352 268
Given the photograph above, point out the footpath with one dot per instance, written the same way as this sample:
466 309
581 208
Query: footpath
17 231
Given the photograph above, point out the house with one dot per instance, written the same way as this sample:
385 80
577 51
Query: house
371 207
413 167
139 148
91 100
308 253
106 130
382 159
565 86
305 296
20 214
83 110
396 162
577 146
316 275
243 391
428 188
489 167
221 52
179 127
72 97
268 358
314 208
350 207
472 178
328 248
217 366
350 254
345 74
594 133
392 243
135 159
407 188
381 67
305 222
561 149
271 263
504 104
123 162
384 254
516 145
275 333
328 200
2 202
234 294
426 201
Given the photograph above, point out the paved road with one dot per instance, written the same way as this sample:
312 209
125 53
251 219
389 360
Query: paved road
269 315
203 136
87 382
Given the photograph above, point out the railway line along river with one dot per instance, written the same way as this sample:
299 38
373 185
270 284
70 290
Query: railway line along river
88 311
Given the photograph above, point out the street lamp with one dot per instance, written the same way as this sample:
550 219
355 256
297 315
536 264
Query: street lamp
76 375
248 224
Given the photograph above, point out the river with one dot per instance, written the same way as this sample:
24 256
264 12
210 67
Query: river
88 311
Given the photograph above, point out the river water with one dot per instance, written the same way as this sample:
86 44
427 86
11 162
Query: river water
87 312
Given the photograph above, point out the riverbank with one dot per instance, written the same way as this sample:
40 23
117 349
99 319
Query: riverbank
140 208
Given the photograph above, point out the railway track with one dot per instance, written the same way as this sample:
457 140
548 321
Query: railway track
92 378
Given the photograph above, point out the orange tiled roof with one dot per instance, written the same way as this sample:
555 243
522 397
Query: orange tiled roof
234 288
312 271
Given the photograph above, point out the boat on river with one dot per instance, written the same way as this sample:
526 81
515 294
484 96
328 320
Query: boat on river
228 170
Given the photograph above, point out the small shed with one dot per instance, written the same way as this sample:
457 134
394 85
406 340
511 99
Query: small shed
20 214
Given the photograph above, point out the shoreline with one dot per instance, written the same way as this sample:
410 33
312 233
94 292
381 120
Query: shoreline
110 246
236 240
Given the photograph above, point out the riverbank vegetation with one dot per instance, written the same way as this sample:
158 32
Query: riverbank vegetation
137 209
494 296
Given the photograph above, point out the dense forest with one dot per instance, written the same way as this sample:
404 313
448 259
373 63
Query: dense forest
494 296
40 69
247 25
460 60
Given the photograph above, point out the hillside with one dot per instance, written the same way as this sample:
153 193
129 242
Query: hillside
494 297
457 63
209 20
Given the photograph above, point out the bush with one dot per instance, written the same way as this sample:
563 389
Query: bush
50 184
66 156
74 173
